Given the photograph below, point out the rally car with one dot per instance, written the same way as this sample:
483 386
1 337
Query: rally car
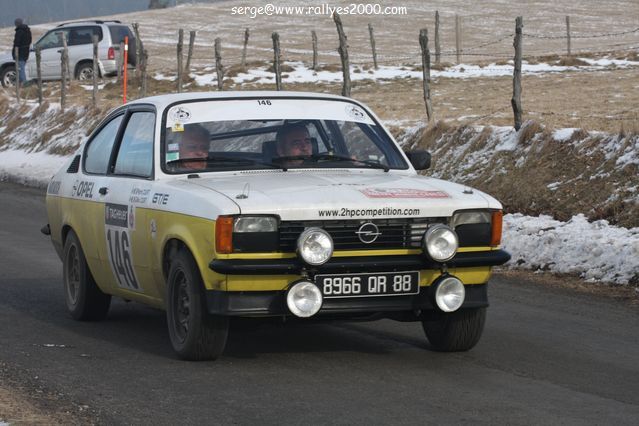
268 204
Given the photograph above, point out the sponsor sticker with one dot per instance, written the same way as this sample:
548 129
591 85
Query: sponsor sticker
402 193
119 220
180 114
139 195
355 112
54 187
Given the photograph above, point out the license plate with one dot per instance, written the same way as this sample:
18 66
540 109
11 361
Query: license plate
378 284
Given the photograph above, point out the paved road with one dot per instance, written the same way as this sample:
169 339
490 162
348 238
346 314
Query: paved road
547 356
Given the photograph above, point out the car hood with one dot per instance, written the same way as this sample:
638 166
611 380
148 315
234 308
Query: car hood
6 57
344 194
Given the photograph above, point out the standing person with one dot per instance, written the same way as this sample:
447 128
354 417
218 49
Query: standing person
21 40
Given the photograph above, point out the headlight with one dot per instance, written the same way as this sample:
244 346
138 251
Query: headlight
470 217
440 242
255 224
304 299
450 294
315 246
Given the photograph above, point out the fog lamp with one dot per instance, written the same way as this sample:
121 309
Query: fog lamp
304 299
450 294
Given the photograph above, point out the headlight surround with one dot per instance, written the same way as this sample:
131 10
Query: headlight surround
255 224
304 299
450 294
315 246
440 242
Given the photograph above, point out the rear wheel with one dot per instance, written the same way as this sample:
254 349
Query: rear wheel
195 334
84 72
8 76
85 301
455 331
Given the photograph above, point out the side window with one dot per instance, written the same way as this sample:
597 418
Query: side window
98 151
135 156
83 35
52 39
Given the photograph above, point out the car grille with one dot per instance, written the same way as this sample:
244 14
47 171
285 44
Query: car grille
395 233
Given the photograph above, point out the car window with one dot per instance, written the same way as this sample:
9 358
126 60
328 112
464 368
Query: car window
98 151
253 134
135 156
118 32
83 35
53 39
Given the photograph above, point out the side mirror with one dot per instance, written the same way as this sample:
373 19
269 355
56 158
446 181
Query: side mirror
419 159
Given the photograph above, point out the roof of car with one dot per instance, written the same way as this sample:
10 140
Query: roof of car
95 22
161 101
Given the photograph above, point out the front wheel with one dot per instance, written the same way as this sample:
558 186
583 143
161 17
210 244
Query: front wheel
195 334
455 331
8 76
85 301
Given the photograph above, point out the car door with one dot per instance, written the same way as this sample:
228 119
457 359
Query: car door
80 45
87 210
50 53
128 189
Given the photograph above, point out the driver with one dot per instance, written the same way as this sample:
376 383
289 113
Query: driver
195 145
293 140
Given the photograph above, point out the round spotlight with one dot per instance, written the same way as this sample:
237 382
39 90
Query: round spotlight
315 246
450 294
304 299
441 243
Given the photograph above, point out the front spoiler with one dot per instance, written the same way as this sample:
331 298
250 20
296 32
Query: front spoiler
273 303
356 264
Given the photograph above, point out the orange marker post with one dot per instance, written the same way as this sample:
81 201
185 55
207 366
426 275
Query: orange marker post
126 62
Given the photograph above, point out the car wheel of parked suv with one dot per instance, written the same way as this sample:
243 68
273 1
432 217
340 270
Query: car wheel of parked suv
8 77
84 72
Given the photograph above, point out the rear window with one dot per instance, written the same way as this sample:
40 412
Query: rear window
118 32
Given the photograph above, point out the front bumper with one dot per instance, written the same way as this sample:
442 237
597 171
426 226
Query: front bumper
273 303
356 264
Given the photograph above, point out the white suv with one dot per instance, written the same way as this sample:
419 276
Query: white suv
80 44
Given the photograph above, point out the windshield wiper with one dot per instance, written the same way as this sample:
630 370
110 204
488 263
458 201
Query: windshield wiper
332 157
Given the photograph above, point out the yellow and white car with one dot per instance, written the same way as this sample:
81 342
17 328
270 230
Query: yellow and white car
347 230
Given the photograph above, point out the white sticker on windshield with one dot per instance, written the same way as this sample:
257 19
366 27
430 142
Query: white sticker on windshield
180 113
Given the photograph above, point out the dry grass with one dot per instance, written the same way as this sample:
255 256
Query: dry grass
571 61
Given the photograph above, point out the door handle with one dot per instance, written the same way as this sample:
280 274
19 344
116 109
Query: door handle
103 190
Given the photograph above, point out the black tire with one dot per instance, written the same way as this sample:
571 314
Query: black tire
8 76
456 331
84 72
195 334
85 301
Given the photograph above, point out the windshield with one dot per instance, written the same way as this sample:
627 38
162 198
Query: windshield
274 133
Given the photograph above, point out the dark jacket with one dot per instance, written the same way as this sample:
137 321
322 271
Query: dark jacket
22 41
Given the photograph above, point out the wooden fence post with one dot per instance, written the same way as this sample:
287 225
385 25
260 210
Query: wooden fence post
179 59
16 52
276 60
438 48
423 42
314 37
568 34
218 64
370 31
138 50
343 54
64 63
187 67
246 39
94 97
144 59
458 36
516 99
120 61
39 71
